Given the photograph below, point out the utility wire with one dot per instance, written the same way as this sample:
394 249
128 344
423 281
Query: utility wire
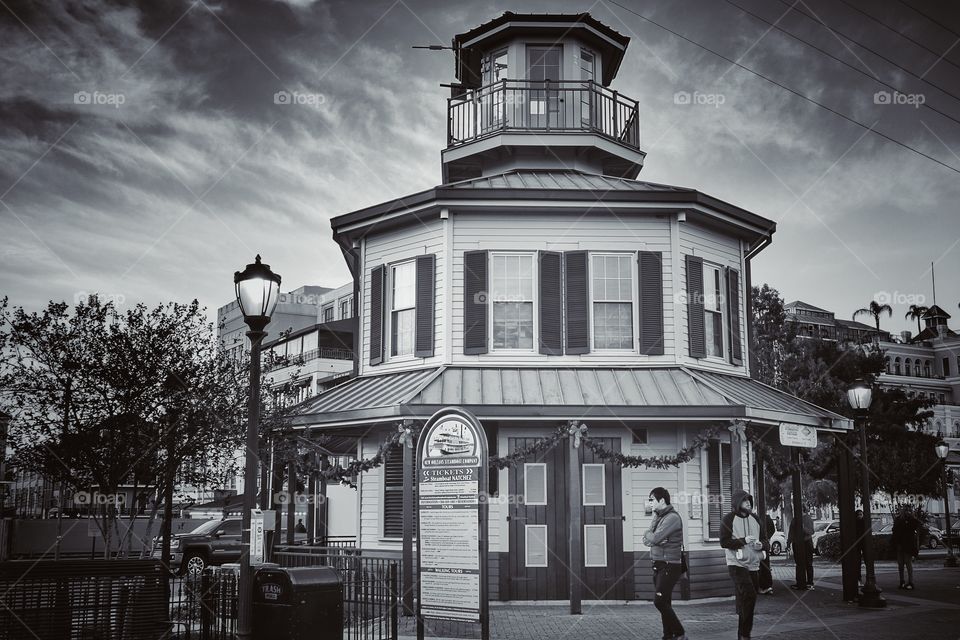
940 56
788 89
840 60
793 7
930 18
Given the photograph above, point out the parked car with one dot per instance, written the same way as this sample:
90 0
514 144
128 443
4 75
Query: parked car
212 543
820 529
778 543
930 536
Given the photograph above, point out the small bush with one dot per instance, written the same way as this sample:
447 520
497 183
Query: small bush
828 546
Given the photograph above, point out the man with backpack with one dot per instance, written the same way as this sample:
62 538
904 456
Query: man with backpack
745 544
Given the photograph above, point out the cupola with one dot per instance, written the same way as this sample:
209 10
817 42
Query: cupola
533 92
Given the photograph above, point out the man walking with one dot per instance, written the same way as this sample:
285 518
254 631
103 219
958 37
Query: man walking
801 538
742 538
665 539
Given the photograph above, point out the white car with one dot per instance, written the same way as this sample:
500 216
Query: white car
821 529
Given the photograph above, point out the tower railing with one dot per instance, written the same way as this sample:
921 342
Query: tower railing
548 106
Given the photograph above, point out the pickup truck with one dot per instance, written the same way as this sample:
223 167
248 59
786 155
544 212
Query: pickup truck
212 543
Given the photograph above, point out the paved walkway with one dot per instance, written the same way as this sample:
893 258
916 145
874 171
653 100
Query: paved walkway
931 611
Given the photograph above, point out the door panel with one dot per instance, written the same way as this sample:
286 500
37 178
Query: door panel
614 580
543 109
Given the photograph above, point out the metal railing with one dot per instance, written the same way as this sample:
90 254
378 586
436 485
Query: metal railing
204 606
543 107
370 589
328 353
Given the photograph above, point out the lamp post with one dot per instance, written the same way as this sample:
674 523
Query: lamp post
859 395
943 450
258 289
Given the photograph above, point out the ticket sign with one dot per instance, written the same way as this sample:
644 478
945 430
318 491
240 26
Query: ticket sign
795 435
451 519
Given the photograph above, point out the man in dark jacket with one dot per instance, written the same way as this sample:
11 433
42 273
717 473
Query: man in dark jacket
665 539
743 541
766 575
801 538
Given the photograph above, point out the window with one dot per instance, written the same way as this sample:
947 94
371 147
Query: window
402 312
896 366
713 310
612 292
328 313
946 367
639 435
535 483
718 483
594 545
229 528
594 487
535 543
346 308
943 398
588 65
926 369
495 69
512 299
916 368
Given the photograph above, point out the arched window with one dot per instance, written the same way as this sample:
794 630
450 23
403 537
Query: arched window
896 367
906 367
926 369
937 427
886 365
956 429
916 368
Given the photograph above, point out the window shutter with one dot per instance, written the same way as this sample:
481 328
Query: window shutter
475 302
393 493
695 330
651 303
378 278
577 302
425 312
551 304
733 315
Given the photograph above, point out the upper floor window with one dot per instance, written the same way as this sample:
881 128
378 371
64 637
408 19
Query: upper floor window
613 300
916 368
512 294
713 309
402 308
926 369
327 313
346 308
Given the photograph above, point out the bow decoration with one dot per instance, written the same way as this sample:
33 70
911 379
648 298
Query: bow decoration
406 433
578 431
739 429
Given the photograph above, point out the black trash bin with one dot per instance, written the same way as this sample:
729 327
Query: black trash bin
297 603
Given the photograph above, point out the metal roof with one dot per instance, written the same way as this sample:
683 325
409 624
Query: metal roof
565 179
623 393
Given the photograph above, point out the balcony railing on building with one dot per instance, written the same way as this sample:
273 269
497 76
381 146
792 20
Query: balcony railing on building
327 353
520 106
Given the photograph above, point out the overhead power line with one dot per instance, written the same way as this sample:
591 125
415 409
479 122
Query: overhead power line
840 60
788 89
929 17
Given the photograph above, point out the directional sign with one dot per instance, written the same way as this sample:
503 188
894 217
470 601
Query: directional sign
794 435
256 537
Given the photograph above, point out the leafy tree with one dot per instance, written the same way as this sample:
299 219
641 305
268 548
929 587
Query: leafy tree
876 310
916 311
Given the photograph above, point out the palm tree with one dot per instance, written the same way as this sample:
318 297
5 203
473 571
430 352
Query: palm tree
916 311
876 310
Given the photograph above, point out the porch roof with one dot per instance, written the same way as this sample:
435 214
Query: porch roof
532 393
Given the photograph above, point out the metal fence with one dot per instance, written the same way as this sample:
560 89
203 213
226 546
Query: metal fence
204 606
370 588
82 600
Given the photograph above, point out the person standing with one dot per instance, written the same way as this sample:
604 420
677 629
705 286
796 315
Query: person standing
801 538
904 540
766 575
665 539
742 538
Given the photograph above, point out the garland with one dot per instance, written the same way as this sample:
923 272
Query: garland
537 448
657 462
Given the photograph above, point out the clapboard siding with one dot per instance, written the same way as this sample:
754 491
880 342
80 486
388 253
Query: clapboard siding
594 231
707 576
718 249
660 441
395 246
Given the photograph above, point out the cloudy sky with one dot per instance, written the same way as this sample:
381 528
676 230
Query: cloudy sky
142 154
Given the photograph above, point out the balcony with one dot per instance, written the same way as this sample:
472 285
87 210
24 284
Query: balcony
511 114
326 353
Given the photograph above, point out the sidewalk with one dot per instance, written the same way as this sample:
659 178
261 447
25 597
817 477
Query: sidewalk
931 611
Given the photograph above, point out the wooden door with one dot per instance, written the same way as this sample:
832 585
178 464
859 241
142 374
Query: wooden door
606 574
538 525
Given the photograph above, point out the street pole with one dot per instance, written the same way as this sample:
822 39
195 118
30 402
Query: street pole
951 560
871 596
62 490
245 611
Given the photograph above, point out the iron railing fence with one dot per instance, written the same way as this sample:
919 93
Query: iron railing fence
204 606
370 589
543 107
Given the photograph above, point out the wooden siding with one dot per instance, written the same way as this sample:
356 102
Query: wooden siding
718 249
395 246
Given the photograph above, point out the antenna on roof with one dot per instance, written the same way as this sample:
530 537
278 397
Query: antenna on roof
933 279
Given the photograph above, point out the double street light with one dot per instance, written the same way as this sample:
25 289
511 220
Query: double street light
860 396
258 289
943 450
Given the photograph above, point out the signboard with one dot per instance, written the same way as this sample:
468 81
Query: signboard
452 519
256 537
794 435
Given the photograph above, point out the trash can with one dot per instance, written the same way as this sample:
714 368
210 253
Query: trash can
297 603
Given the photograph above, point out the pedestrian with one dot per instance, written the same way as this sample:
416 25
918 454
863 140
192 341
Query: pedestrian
904 540
801 538
300 528
665 539
766 574
861 531
742 537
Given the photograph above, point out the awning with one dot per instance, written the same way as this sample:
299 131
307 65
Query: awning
532 393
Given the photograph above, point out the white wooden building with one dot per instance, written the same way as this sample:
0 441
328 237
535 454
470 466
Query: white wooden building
543 283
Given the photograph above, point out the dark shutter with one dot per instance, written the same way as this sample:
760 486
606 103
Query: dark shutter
651 303
733 315
695 329
475 302
377 279
577 302
393 493
426 286
551 304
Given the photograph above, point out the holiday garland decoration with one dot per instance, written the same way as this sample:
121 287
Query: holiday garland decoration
657 462
539 447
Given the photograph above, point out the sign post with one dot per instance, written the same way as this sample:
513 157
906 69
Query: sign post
452 521
256 537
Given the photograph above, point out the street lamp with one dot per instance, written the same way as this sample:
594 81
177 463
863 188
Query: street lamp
859 395
258 289
943 450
